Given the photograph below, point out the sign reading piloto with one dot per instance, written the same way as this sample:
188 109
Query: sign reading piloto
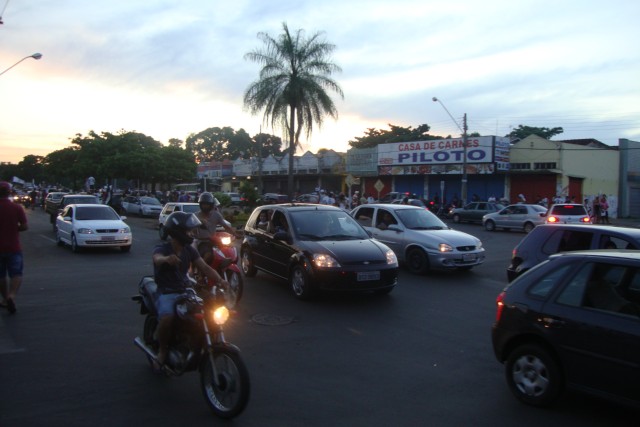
442 151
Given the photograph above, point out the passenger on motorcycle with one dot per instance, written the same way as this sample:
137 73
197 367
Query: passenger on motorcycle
210 218
171 262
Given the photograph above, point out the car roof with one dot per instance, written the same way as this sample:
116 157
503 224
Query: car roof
601 253
296 206
633 232
390 206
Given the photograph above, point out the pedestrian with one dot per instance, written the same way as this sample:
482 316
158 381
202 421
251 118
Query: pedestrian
12 221
604 210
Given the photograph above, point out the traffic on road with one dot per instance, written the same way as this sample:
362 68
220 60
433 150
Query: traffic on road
420 355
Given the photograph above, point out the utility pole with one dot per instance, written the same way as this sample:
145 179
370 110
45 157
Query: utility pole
463 189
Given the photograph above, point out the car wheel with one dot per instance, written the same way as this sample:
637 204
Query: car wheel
528 227
533 375
74 244
299 282
125 248
246 262
490 225
456 218
417 261
162 232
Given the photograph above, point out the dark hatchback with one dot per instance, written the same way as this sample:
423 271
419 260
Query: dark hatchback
316 247
572 322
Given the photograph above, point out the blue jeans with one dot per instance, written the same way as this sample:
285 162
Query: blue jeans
11 262
166 304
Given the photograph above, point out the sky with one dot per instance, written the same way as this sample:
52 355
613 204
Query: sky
168 69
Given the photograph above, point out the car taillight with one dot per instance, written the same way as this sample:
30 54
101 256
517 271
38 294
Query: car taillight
552 219
585 219
499 305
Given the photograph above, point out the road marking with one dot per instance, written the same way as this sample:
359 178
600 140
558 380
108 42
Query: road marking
47 238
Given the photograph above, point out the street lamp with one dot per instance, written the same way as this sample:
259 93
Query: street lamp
463 129
35 56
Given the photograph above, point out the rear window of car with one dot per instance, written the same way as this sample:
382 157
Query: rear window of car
543 287
567 240
569 210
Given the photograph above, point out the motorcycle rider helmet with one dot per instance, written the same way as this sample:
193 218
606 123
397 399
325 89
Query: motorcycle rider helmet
207 202
179 226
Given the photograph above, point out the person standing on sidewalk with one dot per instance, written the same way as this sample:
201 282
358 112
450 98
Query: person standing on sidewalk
12 221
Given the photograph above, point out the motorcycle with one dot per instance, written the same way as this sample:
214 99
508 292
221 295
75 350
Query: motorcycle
198 344
224 260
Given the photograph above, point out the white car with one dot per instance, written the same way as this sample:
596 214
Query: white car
419 238
92 226
170 208
519 217
143 206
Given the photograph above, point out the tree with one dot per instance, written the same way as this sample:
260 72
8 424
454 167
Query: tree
522 132
292 87
374 137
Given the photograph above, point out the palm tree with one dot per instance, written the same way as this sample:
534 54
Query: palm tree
293 84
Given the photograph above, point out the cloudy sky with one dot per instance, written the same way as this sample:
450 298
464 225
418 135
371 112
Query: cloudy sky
172 68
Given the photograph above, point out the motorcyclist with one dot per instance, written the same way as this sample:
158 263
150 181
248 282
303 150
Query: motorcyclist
171 262
210 218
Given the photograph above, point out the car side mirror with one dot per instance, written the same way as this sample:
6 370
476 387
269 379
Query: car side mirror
67 218
394 227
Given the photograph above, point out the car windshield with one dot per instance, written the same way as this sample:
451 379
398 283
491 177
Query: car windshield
84 213
149 201
191 208
420 219
326 225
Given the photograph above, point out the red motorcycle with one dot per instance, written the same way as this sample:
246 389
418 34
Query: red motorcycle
224 260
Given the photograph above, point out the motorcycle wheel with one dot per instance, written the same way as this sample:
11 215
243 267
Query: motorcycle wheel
229 398
233 294
150 336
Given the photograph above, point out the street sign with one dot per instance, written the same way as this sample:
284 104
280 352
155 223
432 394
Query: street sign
379 185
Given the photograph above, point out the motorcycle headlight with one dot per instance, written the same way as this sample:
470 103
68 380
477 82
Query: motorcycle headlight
325 261
225 240
445 247
391 257
220 315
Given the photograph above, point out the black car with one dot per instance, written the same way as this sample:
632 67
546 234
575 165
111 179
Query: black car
572 322
316 247
71 199
545 240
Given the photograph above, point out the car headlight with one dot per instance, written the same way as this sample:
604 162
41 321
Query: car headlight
324 261
445 247
125 230
479 244
391 257
85 231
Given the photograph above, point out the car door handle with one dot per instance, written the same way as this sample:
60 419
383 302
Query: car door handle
551 322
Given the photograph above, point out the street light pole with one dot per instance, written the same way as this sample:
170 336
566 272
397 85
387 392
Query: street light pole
463 129
35 56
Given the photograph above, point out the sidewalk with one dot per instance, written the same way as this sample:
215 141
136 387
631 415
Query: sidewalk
625 222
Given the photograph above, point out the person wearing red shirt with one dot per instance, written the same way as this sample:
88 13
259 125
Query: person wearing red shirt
12 221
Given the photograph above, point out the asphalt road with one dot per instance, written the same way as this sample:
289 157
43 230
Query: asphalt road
420 356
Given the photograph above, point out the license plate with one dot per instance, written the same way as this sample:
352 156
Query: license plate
368 275
469 257
107 238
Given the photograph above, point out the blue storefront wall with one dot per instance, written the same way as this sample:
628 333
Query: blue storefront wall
484 186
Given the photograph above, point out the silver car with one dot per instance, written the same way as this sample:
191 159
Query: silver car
518 217
419 238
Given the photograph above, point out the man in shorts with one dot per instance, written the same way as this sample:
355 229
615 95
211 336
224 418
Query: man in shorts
12 221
